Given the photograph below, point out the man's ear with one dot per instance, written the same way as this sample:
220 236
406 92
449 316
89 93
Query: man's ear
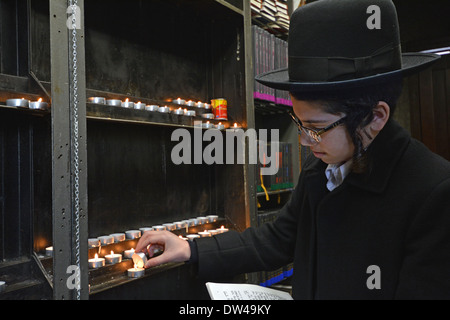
380 117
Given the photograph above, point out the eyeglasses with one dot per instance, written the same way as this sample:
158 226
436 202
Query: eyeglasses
315 134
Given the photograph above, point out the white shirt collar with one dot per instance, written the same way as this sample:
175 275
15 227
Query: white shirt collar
337 173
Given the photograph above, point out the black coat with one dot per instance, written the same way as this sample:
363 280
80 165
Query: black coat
396 216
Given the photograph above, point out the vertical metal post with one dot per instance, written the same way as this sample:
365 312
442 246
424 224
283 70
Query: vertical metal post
250 169
67 227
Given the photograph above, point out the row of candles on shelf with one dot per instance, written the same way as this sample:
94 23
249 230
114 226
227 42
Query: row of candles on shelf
25 103
150 107
140 258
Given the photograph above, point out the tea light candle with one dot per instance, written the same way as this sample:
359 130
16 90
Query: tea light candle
113 258
178 111
96 262
189 222
143 229
118 237
200 104
191 237
104 240
204 234
189 113
2 286
212 218
159 228
180 224
23 103
136 272
133 234
164 109
49 251
222 229
97 100
139 106
213 232
38 104
114 102
207 106
179 101
190 103
152 107
208 125
128 104
220 126
93 243
139 259
128 254
208 116
169 226
202 220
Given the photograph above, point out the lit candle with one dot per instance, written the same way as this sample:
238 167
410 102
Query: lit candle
222 229
93 243
97 100
49 251
136 272
202 220
114 102
191 237
133 234
104 240
164 109
152 107
220 126
189 113
128 104
2 286
179 101
38 104
139 106
207 106
170 226
213 232
208 125
208 116
204 234
18 103
178 111
96 262
113 258
212 218
118 237
190 103
180 224
127 254
139 259
200 104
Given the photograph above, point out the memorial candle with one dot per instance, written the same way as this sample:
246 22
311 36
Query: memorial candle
113 258
96 262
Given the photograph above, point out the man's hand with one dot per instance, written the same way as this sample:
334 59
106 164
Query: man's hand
175 249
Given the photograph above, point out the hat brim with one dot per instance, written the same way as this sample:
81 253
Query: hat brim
411 63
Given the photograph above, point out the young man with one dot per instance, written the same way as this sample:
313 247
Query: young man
370 216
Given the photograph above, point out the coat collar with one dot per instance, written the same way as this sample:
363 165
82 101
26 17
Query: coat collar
383 153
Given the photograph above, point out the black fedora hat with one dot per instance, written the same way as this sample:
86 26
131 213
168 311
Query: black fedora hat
344 44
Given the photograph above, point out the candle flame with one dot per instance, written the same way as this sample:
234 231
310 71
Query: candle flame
96 256
126 100
207 122
40 100
112 252
222 227
235 125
